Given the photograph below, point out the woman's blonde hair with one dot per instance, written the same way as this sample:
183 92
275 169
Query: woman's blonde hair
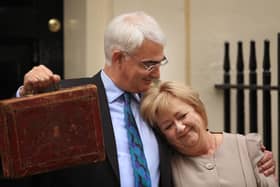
157 99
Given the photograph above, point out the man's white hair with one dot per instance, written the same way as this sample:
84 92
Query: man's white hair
127 32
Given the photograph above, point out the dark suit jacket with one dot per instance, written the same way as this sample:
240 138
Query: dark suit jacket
105 173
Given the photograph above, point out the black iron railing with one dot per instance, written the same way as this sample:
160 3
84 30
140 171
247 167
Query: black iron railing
253 87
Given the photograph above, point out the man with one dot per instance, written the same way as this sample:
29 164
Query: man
134 51
134 46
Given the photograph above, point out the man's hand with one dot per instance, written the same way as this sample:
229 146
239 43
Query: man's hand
38 79
267 164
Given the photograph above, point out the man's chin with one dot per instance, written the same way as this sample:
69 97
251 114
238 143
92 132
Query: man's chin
146 85
145 88
156 81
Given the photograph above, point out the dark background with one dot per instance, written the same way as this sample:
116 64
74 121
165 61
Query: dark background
26 41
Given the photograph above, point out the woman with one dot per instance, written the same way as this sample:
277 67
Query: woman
202 158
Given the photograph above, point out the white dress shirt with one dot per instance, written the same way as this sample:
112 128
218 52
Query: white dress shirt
150 145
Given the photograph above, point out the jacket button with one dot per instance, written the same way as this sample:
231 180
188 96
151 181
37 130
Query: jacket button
209 166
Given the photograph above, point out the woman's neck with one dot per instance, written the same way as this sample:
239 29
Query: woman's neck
208 145
211 144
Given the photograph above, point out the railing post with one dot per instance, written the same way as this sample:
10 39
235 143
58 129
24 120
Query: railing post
278 91
253 103
266 97
226 67
240 90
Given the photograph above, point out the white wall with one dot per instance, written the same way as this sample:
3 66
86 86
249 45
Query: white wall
84 23
74 38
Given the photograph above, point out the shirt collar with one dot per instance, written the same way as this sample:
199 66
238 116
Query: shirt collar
112 91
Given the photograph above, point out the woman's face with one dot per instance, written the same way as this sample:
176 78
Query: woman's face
182 126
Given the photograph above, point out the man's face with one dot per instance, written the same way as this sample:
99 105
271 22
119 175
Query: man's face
133 76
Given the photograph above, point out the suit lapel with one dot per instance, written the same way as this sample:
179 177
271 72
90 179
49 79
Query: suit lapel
109 138
108 133
164 167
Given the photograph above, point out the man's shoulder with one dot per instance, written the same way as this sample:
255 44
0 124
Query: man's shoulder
66 83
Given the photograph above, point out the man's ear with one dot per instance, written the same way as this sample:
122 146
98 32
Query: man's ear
117 56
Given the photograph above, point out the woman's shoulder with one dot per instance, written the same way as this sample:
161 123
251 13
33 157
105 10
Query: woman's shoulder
252 141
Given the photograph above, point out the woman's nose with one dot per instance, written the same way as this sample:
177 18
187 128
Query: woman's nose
179 127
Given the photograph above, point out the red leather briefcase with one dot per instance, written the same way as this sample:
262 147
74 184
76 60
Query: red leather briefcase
50 131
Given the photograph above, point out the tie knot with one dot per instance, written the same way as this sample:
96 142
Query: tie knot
127 97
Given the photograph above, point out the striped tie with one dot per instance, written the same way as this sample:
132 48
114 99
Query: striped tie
139 163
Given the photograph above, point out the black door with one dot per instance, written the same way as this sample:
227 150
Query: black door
31 33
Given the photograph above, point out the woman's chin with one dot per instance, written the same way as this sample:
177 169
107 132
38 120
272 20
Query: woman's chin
191 140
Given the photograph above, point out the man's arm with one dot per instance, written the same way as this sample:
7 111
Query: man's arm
36 80
267 164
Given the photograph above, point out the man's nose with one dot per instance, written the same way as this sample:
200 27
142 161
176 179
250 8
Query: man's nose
155 72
